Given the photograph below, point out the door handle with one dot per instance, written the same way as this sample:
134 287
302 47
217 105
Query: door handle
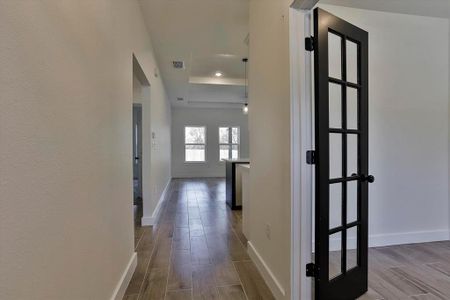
368 178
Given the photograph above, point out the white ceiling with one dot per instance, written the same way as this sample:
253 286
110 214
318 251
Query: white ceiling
432 8
209 36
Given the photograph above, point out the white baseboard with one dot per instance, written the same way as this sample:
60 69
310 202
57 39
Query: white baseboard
380 240
153 219
122 285
274 285
190 176
392 239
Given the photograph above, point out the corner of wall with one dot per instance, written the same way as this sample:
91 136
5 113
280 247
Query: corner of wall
153 219
274 285
448 124
125 279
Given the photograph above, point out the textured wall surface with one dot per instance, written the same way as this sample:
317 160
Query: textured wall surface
269 124
66 221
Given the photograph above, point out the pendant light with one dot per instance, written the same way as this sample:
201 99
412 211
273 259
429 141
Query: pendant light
245 109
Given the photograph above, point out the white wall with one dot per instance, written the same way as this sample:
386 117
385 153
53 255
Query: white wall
66 221
212 118
408 123
155 158
269 124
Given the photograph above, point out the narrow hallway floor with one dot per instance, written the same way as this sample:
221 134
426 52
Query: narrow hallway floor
197 250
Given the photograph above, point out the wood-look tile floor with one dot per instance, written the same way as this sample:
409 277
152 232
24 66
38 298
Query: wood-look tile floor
410 272
197 250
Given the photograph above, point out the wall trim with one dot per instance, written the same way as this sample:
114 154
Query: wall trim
190 176
125 279
391 239
302 187
153 219
274 285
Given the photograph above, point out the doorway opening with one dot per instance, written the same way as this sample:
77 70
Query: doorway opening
347 231
141 142
137 154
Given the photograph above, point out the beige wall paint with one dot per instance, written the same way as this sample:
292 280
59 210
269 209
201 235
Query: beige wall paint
269 125
66 228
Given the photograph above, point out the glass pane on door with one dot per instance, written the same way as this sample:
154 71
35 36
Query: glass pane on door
352 201
335 115
352 108
352 155
352 61
335 254
335 155
352 248
335 205
334 55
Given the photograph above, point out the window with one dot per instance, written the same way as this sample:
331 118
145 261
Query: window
229 142
195 144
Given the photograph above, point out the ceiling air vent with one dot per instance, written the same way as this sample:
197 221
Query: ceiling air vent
180 98
178 64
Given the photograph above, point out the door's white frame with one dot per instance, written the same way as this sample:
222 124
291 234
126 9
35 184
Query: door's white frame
301 141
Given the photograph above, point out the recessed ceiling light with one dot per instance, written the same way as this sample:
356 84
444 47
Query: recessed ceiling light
218 74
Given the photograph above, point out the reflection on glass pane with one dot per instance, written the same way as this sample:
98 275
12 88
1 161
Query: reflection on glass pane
223 135
334 269
235 135
352 62
235 151
352 108
352 201
335 95
335 205
195 135
224 152
335 155
352 154
352 257
195 153
334 55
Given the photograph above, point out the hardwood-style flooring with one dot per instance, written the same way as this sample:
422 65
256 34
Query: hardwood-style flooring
197 250
410 272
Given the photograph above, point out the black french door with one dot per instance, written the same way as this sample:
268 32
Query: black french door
341 137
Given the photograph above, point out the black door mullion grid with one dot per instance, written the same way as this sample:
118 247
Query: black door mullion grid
343 82
344 155
350 283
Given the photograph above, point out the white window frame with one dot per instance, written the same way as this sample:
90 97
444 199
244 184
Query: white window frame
195 144
230 141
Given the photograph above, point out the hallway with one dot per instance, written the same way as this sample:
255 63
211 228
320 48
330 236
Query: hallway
197 251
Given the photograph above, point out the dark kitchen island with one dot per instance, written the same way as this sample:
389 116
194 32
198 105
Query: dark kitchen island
231 181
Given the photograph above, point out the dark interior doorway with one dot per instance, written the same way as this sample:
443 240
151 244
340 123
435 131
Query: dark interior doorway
137 154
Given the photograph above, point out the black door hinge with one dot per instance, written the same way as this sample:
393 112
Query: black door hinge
311 157
309 43
310 270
